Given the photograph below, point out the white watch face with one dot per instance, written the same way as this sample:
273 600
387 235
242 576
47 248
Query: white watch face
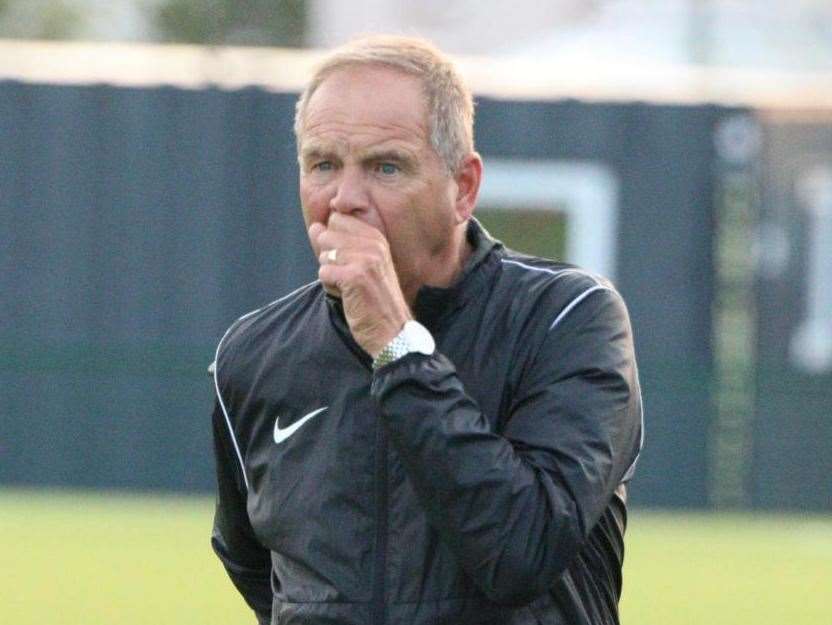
418 338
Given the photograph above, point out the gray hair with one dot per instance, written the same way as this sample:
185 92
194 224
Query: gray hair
449 103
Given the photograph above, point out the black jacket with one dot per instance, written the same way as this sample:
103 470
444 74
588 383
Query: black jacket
483 484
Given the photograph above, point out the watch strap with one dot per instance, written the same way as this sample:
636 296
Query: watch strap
394 350
413 337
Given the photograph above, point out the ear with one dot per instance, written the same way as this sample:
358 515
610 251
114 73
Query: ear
467 177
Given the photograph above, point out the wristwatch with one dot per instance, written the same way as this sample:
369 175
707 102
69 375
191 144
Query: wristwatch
414 337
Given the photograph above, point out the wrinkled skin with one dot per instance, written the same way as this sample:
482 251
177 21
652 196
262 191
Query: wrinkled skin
374 189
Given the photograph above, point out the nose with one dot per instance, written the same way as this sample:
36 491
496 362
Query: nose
351 195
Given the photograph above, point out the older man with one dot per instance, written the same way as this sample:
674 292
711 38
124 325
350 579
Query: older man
438 430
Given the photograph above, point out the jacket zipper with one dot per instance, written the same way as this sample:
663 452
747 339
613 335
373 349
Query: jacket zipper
379 616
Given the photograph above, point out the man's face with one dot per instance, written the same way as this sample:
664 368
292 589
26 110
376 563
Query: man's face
365 152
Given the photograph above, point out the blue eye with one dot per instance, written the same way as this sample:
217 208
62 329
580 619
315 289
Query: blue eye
388 169
323 166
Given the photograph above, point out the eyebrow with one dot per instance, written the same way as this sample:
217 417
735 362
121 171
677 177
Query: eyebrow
402 158
316 152
386 154
319 151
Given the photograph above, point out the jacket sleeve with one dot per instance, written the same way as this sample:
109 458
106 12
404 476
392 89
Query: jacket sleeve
247 562
516 506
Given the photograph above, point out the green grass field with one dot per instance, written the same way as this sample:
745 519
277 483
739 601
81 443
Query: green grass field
84 559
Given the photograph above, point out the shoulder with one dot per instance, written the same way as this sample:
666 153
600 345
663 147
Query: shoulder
253 325
570 319
552 289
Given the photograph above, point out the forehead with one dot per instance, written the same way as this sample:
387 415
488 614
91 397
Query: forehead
361 104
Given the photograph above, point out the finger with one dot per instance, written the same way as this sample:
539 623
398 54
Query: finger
339 222
333 276
333 239
314 232
343 256
329 256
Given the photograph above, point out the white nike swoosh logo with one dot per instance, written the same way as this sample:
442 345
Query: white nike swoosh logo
281 435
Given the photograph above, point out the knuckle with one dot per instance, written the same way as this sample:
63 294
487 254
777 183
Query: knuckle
356 273
380 248
376 264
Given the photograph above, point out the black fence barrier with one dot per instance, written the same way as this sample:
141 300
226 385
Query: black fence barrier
136 224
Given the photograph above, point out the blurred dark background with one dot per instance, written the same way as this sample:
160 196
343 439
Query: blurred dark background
137 222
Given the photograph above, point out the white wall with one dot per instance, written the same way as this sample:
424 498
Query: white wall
457 26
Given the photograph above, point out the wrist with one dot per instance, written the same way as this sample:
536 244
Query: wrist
412 338
388 338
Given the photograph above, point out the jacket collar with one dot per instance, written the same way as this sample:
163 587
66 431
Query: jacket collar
434 303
